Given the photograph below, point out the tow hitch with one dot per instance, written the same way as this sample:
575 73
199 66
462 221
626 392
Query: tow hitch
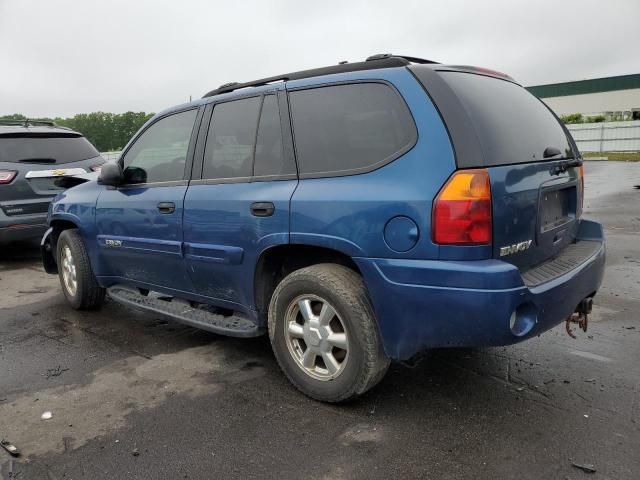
580 316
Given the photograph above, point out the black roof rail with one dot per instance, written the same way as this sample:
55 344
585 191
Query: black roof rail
381 60
27 121
380 56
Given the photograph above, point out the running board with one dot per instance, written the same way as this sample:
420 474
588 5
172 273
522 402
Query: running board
233 326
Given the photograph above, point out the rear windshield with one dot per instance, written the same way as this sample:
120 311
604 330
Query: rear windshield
45 149
513 126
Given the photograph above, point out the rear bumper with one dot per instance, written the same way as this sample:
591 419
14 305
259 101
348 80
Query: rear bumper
21 227
423 304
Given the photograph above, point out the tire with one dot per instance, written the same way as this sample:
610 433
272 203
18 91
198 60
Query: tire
347 366
73 263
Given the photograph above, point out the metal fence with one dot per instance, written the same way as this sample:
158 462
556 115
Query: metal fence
607 136
110 156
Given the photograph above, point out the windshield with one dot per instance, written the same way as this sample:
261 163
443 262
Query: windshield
513 126
45 149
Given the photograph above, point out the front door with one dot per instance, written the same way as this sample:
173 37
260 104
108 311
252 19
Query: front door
139 224
240 205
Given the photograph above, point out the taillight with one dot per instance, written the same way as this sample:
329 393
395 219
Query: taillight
462 210
581 174
7 176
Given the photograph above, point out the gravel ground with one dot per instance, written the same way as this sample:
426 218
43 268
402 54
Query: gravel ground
136 396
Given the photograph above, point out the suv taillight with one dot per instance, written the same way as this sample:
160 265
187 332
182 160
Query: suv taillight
462 210
581 175
7 176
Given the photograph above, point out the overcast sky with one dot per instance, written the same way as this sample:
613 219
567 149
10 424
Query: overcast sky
62 57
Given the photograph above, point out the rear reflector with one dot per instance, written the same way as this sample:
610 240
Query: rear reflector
6 176
462 210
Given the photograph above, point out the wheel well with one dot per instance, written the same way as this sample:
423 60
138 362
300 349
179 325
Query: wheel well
58 227
277 262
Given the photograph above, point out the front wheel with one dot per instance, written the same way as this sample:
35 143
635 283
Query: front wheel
76 276
324 334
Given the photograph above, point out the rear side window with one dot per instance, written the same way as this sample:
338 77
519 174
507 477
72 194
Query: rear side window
45 148
232 133
270 158
241 146
512 125
344 129
159 154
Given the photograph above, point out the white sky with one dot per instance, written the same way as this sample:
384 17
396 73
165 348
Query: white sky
61 57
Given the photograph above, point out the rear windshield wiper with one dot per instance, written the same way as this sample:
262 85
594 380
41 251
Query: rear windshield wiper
566 165
38 160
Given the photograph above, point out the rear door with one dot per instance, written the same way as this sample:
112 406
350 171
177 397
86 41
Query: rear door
498 125
32 161
139 224
239 205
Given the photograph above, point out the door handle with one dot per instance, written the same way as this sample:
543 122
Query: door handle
262 209
166 207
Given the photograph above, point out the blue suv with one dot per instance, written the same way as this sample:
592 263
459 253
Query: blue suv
358 214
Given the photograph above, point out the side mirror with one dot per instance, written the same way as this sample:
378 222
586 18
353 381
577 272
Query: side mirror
111 174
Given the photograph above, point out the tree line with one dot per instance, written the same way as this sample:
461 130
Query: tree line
107 131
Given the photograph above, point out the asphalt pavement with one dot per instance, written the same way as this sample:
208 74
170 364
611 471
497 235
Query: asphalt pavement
133 395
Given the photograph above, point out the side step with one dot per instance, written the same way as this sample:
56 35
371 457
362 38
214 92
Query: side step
232 326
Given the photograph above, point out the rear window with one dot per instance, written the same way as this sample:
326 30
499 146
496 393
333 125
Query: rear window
231 138
45 149
513 126
344 129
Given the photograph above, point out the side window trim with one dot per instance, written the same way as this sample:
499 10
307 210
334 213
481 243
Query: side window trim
255 137
287 140
189 155
360 170
198 155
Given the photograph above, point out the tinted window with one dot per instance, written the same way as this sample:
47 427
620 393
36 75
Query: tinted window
232 133
270 158
45 148
513 126
160 153
343 128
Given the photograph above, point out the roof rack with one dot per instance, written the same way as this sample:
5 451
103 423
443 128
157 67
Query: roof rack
381 60
27 121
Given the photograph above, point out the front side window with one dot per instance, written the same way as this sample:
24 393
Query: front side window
351 128
160 153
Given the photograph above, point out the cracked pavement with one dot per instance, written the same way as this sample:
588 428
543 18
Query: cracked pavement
134 395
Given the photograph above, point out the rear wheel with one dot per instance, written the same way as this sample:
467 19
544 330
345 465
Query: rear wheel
324 334
78 282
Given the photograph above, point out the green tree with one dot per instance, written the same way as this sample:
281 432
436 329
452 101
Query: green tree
13 116
107 131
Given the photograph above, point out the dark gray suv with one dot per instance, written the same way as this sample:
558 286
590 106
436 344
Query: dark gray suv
34 156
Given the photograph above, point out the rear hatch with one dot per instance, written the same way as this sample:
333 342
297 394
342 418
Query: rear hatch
34 161
535 177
